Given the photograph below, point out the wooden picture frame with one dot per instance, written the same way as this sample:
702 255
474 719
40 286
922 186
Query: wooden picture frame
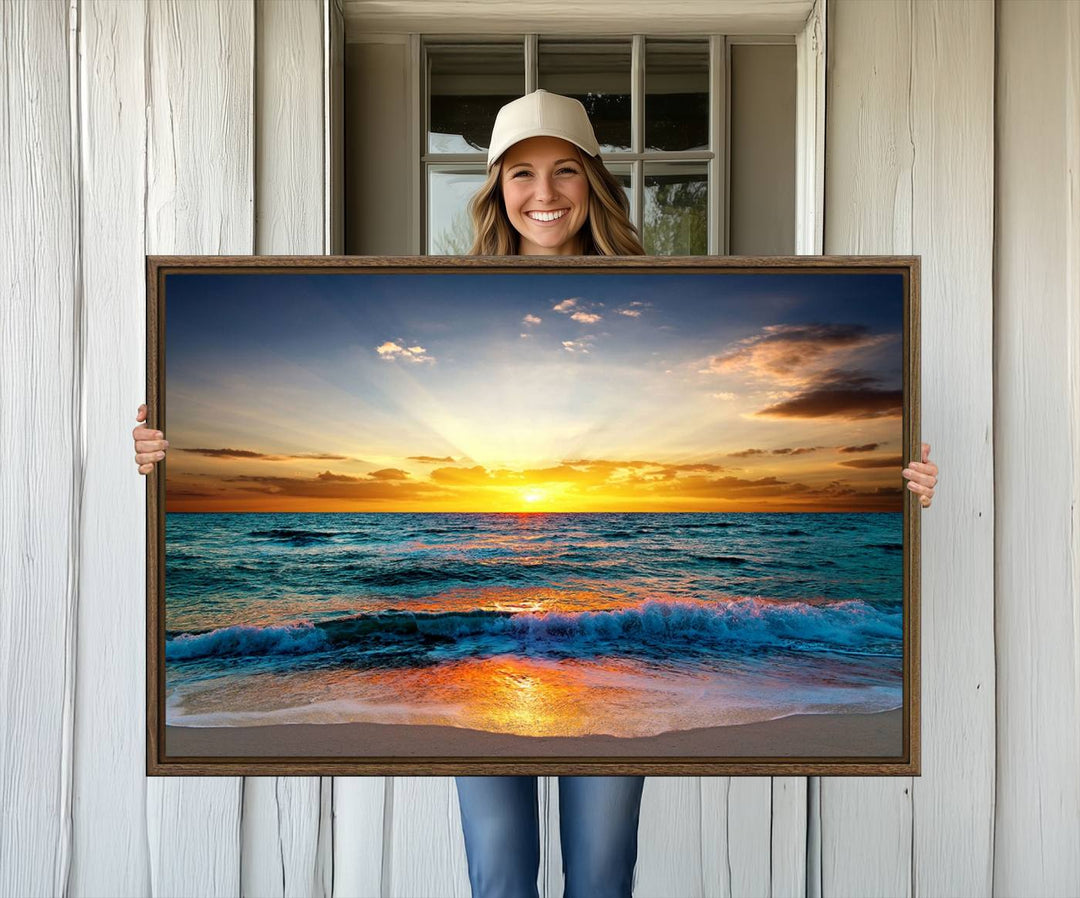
544 675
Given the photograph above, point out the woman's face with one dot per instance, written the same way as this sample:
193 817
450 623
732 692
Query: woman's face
546 195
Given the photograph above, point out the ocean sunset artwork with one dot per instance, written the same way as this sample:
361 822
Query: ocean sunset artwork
555 513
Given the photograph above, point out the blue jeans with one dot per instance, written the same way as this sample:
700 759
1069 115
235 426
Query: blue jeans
598 821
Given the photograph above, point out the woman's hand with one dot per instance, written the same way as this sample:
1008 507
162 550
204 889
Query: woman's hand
150 445
922 477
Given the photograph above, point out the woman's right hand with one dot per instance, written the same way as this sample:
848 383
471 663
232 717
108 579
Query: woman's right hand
150 445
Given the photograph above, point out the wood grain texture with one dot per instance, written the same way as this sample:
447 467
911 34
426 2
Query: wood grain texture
669 838
362 804
910 169
109 814
424 851
736 848
290 161
788 836
551 874
952 127
280 837
866 823
283 815
40 446
1037 448
749 842
199 197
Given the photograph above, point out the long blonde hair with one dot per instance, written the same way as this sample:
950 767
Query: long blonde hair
607 231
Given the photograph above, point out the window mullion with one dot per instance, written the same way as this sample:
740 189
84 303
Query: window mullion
718 144
532 63
637 128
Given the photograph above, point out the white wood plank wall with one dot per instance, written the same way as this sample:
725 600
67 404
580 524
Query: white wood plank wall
909 169
1037 450
201 127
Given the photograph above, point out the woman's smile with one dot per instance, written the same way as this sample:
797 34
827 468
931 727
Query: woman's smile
553 215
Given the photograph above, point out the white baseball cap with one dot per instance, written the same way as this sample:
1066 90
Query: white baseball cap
541 114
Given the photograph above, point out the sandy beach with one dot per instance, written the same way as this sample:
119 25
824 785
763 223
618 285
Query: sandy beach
874 735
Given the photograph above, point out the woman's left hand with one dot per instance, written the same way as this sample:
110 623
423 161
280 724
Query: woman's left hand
922 477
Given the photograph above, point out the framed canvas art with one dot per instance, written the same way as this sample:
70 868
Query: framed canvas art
604 515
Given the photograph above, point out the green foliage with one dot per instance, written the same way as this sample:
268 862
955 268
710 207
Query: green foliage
676 217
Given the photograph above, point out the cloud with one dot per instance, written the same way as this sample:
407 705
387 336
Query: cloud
578 311
431 459
591 480
840 394
261 456
868 447
330 477
794 353
477 475
328 485
584 472
799 450
892 461
391 351
725 396
384 474
531 320
609 463
389 474
581 346
634 309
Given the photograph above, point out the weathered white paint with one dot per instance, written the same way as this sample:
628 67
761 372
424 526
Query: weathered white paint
669 838
868 157
557 17
788 837
952 129
199 198
40 447
909 156
289 128
282 815
362 805
109 813
1037 446
424 848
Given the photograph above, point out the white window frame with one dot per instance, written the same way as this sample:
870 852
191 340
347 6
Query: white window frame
809 41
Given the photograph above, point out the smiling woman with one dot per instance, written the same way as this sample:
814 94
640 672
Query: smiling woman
547 190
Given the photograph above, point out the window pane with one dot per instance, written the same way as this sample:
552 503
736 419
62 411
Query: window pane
466 86
623 174
676 95
676 209
597 74
450 231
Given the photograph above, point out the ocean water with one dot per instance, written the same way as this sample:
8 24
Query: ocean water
539 624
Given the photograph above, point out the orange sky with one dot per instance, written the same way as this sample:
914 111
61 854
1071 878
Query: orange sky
814 479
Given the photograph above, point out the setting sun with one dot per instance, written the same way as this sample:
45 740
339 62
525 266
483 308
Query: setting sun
532 496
